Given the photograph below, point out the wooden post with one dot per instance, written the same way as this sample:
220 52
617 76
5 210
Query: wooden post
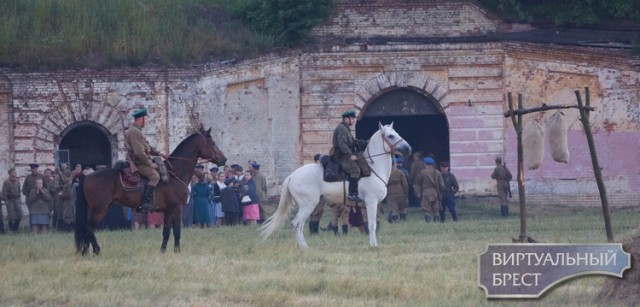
584 118
517 124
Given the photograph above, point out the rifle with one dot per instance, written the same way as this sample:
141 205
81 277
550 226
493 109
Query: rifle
508 187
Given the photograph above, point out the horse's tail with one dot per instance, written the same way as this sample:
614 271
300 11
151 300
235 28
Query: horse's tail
276 221
82 214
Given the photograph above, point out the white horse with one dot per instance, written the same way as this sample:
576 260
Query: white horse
305 186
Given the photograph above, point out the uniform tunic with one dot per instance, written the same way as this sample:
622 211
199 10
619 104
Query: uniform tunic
11 195
140 153
428 183
343 143
502 175
397 192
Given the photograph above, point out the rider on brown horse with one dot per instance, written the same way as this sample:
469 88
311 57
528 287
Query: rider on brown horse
139 152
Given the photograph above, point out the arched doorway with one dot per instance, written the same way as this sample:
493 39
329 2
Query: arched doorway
415 116
88 144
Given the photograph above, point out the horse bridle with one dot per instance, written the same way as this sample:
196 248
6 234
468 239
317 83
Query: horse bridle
173 174
392 148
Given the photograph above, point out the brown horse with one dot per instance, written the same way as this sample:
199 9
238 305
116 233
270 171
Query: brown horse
98 190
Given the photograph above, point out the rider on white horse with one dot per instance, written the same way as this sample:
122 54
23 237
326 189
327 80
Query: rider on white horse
344 152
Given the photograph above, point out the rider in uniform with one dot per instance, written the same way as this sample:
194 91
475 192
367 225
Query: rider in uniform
140 152
345 153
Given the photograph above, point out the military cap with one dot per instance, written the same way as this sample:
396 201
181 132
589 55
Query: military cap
428 160
214 169
229 181
349 113
255 165
34 165
200 166
140 113
444 164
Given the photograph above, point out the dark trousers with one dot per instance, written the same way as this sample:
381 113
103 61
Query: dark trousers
450 203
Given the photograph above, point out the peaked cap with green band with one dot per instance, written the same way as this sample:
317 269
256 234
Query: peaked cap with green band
349 113
140 113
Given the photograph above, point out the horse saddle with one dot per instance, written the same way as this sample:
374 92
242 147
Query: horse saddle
130 177
333 172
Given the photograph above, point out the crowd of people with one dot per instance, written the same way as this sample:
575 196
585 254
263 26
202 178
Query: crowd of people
49 197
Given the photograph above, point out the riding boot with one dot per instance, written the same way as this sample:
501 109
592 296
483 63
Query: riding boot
353 190
345 230
335 229
313 227
366 227
147 200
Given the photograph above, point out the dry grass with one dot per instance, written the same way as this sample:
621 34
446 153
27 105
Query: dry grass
417 264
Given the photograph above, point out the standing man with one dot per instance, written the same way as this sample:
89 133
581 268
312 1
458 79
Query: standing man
11 197
502 175
345 154
50 185
450 189
139 152
261 189
397 193
428 186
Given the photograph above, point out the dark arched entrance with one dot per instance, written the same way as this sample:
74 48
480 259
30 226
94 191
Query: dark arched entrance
415 117
88 144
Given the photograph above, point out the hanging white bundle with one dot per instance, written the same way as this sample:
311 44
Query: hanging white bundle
557 136
533 144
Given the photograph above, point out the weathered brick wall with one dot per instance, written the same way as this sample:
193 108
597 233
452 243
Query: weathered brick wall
282 110
384 18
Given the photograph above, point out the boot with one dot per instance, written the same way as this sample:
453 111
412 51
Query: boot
345 230
16 225
313 227
504 211
353 190
366 227
403 216
147 200
427 218
335 230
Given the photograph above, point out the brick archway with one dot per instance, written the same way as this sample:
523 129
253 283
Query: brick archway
385 82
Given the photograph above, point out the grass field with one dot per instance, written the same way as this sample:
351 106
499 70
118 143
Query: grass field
416 264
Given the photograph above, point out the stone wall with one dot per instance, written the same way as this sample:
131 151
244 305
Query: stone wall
281 110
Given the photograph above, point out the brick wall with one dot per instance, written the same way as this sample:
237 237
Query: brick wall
281 110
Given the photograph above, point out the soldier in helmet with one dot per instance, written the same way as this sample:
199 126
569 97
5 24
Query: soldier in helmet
345 153
140 153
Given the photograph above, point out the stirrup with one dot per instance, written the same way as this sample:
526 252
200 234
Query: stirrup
147 207
355 198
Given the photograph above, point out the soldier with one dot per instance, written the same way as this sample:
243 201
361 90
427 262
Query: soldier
345 154
429 186
11 197
50 185
450 189
502 175
140 152
397 193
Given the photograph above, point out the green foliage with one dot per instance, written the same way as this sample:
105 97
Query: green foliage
566 12
94 33
286 22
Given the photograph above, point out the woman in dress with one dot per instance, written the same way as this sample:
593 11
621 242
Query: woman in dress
250 201
200 193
